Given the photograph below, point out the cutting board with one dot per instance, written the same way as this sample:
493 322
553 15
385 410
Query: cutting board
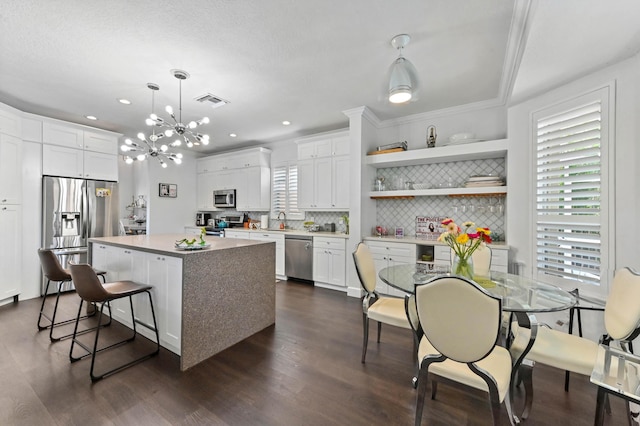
386 151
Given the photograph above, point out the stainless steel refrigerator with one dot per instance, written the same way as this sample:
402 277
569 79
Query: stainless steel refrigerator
74 210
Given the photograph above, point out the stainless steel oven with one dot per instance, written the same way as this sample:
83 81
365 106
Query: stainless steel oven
224 198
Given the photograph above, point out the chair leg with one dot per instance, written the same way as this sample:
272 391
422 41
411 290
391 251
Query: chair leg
421 394
434 388
525 374
95 378
365 333
599 418
44 298
379 330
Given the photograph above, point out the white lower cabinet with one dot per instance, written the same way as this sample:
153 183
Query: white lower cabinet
228 233
278 238
10 251
329 263
163 273
387 254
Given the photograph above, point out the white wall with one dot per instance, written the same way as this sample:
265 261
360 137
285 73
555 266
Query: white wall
170 215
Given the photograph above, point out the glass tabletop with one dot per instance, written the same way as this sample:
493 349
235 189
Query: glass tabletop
518 293
618 372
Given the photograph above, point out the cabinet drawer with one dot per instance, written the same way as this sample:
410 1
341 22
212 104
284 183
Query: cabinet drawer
407 251
499 257
442 253
328 243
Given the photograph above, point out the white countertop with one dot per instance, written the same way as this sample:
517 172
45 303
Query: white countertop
294 232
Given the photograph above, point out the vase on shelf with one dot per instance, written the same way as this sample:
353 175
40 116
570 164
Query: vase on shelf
462 267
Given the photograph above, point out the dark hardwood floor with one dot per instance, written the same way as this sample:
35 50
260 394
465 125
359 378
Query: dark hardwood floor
305 370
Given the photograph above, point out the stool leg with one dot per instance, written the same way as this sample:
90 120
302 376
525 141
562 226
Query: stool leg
44 298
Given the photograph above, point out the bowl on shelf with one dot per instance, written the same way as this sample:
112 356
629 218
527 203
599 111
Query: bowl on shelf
421 186
459 137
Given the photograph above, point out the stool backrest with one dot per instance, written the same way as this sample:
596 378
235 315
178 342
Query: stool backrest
51 266
87 284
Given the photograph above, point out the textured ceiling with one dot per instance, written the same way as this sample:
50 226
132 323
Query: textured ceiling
274 60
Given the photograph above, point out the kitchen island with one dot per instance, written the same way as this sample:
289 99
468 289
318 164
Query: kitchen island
205 300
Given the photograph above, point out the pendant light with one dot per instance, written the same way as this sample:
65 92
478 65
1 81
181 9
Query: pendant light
403 78
184 133
148 147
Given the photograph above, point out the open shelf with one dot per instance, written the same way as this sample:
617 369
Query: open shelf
486 191
442 154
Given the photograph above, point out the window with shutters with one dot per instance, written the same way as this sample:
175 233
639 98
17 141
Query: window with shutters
572 191
284 192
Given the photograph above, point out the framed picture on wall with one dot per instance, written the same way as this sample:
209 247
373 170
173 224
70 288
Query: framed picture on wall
168 190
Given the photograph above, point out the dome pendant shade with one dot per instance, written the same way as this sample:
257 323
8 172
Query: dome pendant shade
403 78
401 81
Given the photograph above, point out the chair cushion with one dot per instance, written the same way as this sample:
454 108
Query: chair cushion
497 364
557 349
389 310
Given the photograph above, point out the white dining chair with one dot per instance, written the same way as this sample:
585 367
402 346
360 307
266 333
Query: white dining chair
461 326
388 310
578 354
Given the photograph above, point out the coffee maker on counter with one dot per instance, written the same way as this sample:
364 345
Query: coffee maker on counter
202 219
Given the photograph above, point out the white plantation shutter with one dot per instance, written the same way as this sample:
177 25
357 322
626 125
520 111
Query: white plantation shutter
284 192
570 166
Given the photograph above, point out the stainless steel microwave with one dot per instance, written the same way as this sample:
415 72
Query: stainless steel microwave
224 198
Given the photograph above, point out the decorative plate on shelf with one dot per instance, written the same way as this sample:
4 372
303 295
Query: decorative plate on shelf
187 247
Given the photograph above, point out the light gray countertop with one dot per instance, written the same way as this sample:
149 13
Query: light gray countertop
294 232
413 240
165 243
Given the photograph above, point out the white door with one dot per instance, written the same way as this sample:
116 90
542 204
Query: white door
322 180
340 183
10 250
337 267
10 169
306 184
321 265
165 275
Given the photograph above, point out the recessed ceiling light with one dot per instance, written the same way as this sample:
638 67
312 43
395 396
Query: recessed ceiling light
233 135
286 123
91 117
124 101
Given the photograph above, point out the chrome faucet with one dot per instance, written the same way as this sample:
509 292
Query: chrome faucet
282 222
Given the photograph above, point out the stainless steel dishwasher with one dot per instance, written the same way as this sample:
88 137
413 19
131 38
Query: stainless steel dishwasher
298 257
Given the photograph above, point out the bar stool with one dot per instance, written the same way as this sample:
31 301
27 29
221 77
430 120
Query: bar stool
53 271
90 290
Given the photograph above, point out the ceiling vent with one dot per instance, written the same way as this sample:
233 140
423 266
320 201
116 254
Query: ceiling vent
212 99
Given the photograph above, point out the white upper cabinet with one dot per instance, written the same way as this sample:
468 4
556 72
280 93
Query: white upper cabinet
71 151
10 169
323 173
10 124
62 161
100 166
100 142
63 135
323 147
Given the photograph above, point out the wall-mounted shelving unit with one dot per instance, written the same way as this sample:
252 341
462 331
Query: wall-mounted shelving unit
442 154
485 191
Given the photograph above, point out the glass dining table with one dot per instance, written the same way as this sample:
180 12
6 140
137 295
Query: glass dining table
521 296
